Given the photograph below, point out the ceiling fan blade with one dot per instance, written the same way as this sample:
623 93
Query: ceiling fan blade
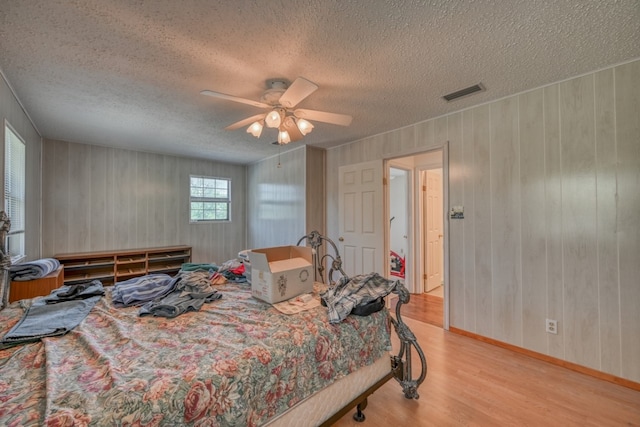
245 122
321 116
235 99
299 90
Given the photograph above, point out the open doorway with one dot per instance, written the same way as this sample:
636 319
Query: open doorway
399 217
415 205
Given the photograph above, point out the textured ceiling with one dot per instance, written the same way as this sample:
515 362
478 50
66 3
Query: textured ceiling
128 73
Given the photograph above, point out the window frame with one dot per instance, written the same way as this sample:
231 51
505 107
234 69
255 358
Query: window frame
207 199
18 221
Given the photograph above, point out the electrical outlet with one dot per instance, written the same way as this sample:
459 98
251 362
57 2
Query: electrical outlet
552 326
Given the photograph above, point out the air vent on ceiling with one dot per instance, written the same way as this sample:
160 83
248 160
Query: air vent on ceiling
464 92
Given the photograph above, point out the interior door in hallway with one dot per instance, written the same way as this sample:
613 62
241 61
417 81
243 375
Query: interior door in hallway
432 185
361 241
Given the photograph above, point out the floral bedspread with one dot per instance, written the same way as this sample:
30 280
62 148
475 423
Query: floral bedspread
237 362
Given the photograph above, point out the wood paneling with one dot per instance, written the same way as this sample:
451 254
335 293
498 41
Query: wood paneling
315 191
286 197
550 182
553 214
80 159
450 129
480 170
468 245
579 232
608 277
276 190
100 189
56 215
505 221
531 133
627 95
123 202
99 198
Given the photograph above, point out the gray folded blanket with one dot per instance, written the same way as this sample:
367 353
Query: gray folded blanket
33 269
55 314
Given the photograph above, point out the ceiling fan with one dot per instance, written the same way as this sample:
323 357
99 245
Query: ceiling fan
280 100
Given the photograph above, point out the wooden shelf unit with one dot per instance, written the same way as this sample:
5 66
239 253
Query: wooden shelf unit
112 266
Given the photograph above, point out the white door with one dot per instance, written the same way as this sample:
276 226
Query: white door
361 241
433 239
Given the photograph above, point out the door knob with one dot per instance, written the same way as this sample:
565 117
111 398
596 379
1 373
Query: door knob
341 239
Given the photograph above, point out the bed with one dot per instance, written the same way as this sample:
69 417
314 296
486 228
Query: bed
236 361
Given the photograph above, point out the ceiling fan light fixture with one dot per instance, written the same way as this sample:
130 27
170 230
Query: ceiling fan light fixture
274 118
255 129
304 126
283 137
279 111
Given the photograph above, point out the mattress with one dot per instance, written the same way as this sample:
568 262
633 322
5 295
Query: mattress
319 407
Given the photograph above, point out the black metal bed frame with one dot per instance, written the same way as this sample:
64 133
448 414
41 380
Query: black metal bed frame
400 363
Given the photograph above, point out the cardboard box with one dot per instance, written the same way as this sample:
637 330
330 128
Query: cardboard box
244 257
281 273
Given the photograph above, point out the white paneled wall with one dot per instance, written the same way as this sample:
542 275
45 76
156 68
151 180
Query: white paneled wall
624 168
98 198
276 202
550 182
11 111
285 197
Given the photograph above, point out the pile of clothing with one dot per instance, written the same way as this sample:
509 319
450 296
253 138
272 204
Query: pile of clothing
55 314
156 294
230 271
361 295
166 296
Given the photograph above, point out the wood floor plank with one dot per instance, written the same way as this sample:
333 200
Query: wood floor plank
472 383
424 308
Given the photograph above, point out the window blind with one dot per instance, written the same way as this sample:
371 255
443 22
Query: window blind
14 191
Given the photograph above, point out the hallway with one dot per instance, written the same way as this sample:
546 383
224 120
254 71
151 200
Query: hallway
426 307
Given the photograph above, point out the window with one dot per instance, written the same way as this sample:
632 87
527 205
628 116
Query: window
14 191
210 199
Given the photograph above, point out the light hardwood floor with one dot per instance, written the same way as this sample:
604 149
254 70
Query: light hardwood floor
472 383
425 308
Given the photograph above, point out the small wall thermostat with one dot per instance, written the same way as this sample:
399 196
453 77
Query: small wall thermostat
457 212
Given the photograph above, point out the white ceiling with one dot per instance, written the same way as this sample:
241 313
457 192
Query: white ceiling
128 73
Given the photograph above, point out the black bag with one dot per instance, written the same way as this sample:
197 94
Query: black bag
368 308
